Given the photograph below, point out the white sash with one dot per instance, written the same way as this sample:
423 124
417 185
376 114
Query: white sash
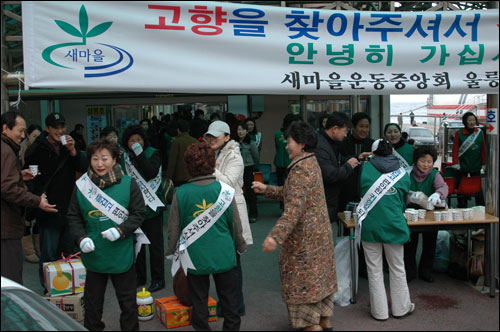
108 206
148 188
468 143
373 195
402 161
198 227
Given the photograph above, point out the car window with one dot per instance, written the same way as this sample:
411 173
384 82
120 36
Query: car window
24 311
421 132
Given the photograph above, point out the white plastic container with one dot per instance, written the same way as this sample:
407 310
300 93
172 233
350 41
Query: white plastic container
145 305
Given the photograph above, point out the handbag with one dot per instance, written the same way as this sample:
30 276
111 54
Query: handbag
181 288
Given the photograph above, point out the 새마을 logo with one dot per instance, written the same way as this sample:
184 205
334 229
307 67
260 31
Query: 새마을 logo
99 59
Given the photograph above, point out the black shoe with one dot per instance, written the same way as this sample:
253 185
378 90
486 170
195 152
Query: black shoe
426 277
156 286
140 283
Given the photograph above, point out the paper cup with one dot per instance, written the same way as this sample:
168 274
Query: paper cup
457 215
421 213
444 216
437 216
413 215
63 140
34 170
347 215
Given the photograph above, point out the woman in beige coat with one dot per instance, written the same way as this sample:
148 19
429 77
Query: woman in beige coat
306 260
229 169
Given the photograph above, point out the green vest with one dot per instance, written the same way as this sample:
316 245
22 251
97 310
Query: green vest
426 186
471 161
385 223
214 252
108 256
281 159
406 151
149 212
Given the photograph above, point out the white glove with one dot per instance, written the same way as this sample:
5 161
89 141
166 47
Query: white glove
111 234
137 148
456 166
87 245
483 169
435 199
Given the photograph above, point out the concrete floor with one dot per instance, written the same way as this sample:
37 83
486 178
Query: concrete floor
446 304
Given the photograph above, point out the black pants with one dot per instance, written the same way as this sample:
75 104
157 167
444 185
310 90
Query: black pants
462 201
153 228
12 260
225 285
427 258
93 299
250 196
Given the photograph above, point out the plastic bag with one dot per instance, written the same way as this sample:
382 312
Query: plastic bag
442 256
343 267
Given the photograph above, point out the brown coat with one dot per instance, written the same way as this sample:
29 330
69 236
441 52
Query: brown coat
15 195
306 259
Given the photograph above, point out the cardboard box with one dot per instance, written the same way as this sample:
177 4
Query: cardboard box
70 304
64 278
173 314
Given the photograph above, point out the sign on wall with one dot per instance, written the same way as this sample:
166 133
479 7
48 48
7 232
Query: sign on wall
96 121
235 48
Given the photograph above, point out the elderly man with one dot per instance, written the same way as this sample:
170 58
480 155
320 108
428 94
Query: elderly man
15 196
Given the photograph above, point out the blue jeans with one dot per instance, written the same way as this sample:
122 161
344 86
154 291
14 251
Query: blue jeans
53 242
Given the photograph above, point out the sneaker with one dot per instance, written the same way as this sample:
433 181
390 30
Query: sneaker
412 308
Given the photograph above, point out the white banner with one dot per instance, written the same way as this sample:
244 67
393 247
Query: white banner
220 47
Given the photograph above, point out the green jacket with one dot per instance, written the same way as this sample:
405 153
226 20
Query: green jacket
214 252
385 223
281 159
471 160
406 151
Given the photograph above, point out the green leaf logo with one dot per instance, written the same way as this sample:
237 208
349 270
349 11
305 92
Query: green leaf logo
82 33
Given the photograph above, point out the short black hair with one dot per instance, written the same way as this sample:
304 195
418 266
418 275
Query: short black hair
391 124
466 115
288 119
78 126
384 148
214 116
10 119
302 132
424 150
360 116
108 130
104 143
338 119
183 126
34 127
132 130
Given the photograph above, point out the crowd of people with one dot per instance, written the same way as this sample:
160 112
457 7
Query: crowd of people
212 164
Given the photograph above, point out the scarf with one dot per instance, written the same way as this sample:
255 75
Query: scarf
107 180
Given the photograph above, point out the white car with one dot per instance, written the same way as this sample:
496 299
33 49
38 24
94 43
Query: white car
421 135
24 310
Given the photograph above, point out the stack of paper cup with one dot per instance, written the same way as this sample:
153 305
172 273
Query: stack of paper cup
445 215
347 215
437 216
421 213
467 213
413 215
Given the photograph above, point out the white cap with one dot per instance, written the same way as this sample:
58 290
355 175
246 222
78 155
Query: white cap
218 128
375 145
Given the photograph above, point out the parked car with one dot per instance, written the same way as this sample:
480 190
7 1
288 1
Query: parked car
421 135
24 310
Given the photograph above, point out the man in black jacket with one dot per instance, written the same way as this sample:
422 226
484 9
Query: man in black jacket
57 163
333 168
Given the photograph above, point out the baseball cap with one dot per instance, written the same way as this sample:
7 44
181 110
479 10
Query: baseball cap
53 119
218 128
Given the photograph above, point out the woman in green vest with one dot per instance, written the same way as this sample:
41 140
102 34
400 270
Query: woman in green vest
402 150
146 161
427 180
217 244
385 231
107 247
469 154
